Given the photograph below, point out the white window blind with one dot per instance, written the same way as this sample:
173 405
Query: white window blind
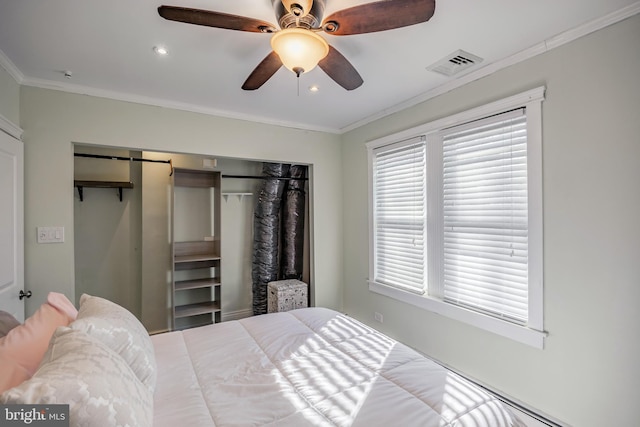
399 215
485 237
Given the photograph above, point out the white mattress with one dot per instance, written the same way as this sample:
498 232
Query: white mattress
308 367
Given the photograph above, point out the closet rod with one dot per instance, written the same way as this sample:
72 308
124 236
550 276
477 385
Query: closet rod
129 159
264 177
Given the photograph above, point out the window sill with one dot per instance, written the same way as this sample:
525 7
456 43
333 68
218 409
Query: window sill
512 331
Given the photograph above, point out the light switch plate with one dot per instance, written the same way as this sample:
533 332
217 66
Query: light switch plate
50 234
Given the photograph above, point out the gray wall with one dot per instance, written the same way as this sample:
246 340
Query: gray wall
107 232
588 373
9 97
53 120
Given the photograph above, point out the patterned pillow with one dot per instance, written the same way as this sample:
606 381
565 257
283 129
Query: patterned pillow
119 330
98 385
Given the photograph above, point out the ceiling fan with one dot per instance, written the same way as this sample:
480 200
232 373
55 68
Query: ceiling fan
297 45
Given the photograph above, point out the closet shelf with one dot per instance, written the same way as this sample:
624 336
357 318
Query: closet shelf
196 258
101 184
197 308
184 285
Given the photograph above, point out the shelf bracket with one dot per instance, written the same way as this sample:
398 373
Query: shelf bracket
119 185
240 196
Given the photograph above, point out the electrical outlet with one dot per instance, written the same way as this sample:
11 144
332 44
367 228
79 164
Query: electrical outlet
378 317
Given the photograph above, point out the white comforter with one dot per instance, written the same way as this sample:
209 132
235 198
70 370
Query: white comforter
308 367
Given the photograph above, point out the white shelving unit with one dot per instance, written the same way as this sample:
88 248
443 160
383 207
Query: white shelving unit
196 248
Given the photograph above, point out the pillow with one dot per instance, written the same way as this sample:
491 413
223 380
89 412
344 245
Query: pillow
63 304
98 385
7 323
119 330
22 349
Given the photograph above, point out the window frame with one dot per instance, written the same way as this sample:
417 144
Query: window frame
401 146
532 333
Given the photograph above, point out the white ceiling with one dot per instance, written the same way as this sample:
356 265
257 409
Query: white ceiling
108 47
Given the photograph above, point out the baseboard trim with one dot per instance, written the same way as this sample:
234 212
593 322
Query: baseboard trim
537 416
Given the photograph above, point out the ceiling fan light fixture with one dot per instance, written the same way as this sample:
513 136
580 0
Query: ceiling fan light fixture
299 49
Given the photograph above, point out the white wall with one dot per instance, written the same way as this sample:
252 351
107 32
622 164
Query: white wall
53 120
588 373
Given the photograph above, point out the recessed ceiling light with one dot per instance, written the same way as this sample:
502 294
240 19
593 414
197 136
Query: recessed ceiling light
160 50
314 88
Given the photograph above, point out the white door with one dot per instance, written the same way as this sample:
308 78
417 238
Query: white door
11 226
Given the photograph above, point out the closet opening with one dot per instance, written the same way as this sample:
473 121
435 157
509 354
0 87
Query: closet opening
124 250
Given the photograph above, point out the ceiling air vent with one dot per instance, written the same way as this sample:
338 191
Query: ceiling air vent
455 63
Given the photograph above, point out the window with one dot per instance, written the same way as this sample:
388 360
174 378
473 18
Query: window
400 215
484 210
456 217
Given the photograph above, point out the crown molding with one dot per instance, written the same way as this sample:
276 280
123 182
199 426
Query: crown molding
11 68
157 102
535 50
593 26
10 128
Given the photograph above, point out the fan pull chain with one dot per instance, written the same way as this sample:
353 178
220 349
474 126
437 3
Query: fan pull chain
298 71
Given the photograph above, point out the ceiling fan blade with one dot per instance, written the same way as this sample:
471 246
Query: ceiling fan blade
340 70
263 72
214 19
379 16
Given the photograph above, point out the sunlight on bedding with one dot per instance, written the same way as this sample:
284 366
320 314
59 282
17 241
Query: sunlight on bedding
325 378
316 367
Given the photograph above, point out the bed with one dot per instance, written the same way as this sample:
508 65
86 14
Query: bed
312 367
306 367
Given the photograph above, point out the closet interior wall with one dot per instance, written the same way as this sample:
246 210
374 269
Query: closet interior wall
108 232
